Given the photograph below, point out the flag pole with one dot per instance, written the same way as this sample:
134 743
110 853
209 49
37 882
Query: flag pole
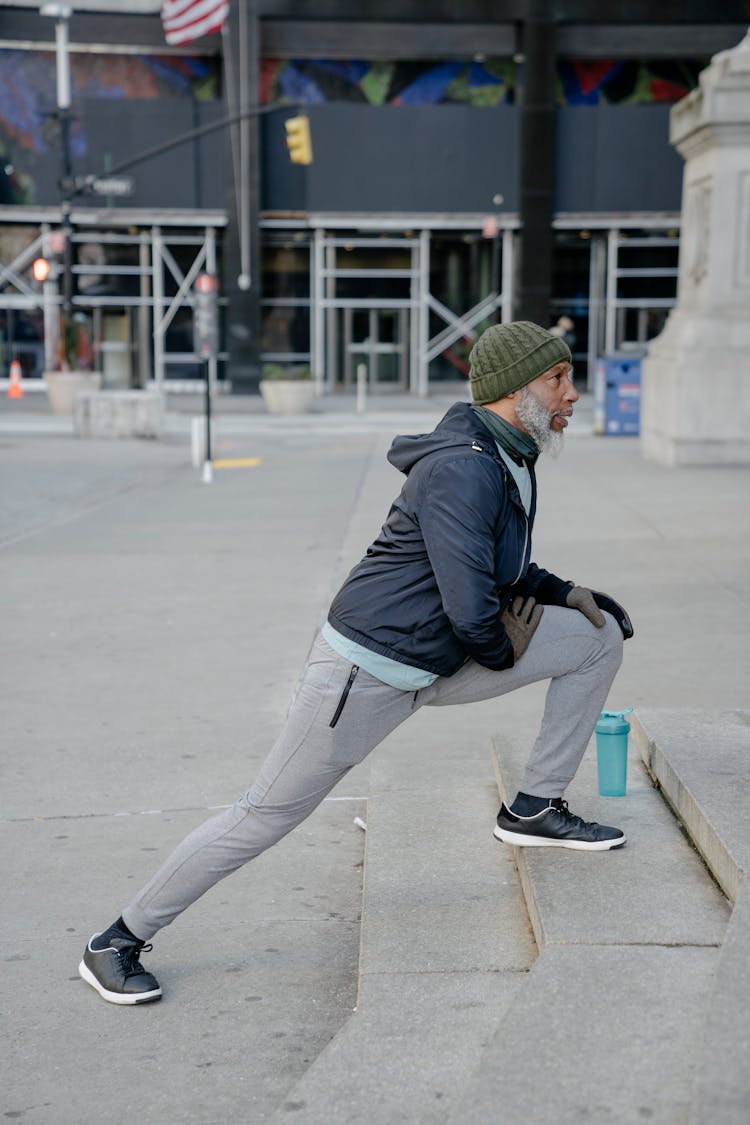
232 98
244 280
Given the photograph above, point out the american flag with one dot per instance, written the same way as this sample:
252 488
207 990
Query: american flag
185 20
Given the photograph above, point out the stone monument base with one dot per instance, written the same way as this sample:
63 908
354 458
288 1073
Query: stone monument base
695 392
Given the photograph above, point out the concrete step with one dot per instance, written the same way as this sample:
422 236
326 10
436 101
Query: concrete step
654 891
607 1026
446 945
701 763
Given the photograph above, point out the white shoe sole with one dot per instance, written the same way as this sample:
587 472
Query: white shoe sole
117 997
545 842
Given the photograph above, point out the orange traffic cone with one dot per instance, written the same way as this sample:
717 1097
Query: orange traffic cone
15 390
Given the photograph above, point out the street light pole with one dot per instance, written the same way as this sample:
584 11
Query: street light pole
61 13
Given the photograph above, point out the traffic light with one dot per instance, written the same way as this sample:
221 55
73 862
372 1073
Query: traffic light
47 266
298 139
205 315
40 268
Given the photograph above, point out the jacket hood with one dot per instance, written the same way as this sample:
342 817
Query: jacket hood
459 427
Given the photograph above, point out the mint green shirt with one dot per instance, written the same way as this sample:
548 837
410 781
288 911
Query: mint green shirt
404 677
521 475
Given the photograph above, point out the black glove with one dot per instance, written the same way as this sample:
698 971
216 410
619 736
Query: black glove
591 602
520 621
616 610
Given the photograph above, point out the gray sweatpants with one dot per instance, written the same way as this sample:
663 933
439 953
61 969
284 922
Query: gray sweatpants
310 755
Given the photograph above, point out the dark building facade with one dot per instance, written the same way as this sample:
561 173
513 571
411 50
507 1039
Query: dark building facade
488 160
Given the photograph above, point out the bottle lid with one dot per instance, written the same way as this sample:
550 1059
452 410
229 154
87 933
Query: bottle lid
613 722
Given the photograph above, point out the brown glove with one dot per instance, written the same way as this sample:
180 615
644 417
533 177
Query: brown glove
520 621
583 600
591 602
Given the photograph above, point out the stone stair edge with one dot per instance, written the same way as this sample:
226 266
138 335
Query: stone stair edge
665 1092
527 885
618 903
647 1088
329 1090
687 805
722 1085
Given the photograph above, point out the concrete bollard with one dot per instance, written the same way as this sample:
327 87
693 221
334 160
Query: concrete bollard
361 388
119 414
198 440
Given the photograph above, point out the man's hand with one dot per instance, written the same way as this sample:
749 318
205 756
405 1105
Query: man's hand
520 621
583 600
590 603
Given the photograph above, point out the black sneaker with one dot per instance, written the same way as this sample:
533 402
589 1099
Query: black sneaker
117 974
556 827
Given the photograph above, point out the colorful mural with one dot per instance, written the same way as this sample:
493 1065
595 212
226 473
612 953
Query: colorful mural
314 81
486 83
28 131
627 82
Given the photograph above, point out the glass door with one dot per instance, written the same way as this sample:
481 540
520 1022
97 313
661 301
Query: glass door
378 339
366 302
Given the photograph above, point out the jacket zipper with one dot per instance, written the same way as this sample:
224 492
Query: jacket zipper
478 448
523 553
344 695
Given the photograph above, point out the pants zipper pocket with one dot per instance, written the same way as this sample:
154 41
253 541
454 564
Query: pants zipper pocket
344 695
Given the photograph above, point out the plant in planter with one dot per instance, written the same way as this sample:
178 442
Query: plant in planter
287 388
72 372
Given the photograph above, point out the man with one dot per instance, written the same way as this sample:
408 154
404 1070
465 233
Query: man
446 607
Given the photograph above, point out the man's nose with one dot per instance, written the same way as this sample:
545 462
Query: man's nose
571 394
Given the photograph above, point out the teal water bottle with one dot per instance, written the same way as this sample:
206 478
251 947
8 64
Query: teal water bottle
612 752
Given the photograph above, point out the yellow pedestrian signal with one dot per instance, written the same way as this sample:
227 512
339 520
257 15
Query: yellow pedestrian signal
298 139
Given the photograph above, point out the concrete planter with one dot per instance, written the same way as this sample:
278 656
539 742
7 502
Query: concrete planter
119 414
288 396
63 386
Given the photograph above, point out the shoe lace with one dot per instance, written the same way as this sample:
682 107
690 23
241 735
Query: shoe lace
130 959
571 818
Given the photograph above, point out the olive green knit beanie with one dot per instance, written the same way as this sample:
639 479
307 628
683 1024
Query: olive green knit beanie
508 356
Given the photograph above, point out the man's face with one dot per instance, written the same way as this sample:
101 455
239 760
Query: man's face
544 406
554 391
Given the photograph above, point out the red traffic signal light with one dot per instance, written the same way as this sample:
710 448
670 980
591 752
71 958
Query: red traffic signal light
206 283
40 269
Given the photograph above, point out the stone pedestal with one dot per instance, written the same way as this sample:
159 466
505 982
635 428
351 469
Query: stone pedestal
119 414
695 407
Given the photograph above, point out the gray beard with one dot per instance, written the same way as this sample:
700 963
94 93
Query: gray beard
537 421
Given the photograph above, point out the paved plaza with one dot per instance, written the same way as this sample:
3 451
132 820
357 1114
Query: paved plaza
417 971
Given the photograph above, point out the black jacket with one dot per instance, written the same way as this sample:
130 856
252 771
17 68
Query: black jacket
453 551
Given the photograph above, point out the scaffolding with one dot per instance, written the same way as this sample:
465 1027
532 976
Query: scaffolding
162 286
374 235
376 311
